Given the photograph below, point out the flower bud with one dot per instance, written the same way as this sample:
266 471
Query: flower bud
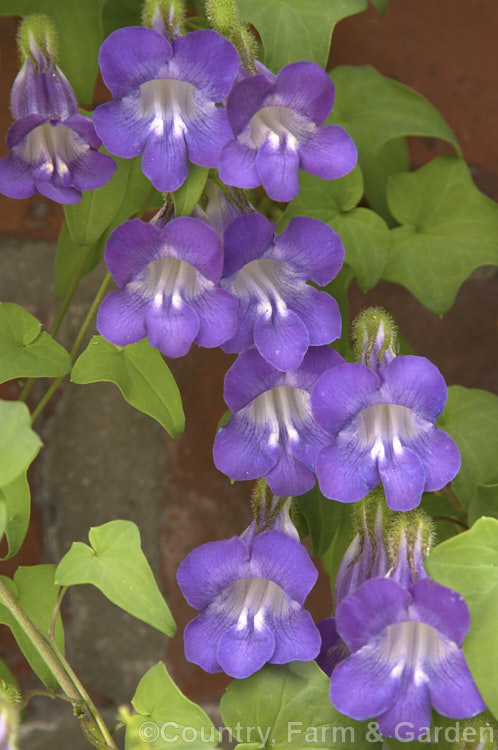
271 511
375 338
9 716
366 557
37 39
164 16
223 16
410 541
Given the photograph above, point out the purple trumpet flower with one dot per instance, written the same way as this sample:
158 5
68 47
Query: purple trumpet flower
279 312
272 432
277 123
250 591
365 558
166 95
167 278
406 655
53 149
380 415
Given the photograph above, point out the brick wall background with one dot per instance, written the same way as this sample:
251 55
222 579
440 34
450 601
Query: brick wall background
103 460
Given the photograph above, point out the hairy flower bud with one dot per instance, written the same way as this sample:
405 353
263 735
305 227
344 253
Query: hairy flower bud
164 16
375 337
410 540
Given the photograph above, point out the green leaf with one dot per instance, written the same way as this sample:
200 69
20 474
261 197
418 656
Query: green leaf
468 563
365 235
19 444
341 539
79 36
116 565
164 711
366 239
293 30
449 229
321 517
187 196
484 502
471 418
140 373
6 675
324 199
15 500
289 706
390 160
73 259
36 592
381 6
118 13
338 288
374 109
88 219
26 351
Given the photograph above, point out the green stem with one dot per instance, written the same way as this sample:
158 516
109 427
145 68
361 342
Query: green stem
61 313
75 347
84 695
39 643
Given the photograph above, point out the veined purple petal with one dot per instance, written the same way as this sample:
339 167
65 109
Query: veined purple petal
282 339
402 476
195 243
278 167
320 314
217 311
243 651
296 636
245 99
16 177
452 689
364 684
328 152
237 165
58 192
345 469
206 60
312 247
417 384
306 88
172 325
317 360
277 557
243 337
441 607
122 127
210 568
342 393
245 448
333 649
439 455
130 248
92 170
383 599
413 705
247 238
164 159
22 127
202 635
132 55
206 135
85 128
248 377
121 317
290 475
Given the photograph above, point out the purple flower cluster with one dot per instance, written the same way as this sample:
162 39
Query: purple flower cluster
53 149
394 647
